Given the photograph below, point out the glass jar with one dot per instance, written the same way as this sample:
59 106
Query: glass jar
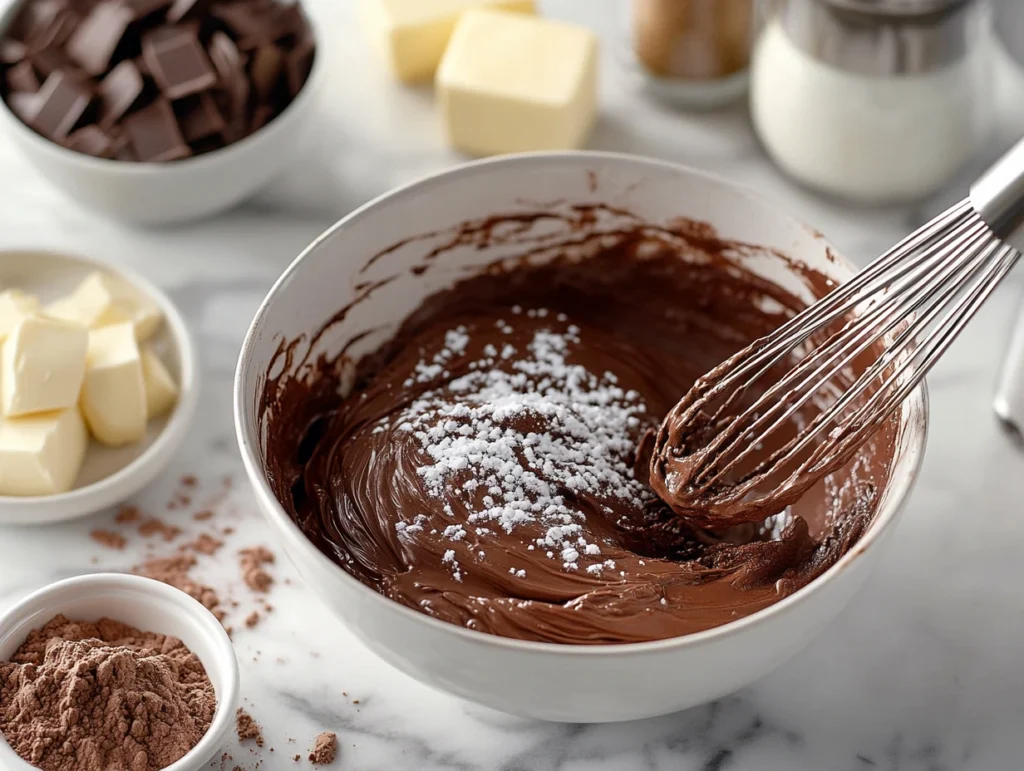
693 52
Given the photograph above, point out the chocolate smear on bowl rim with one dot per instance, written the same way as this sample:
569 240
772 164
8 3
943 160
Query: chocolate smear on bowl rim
488 465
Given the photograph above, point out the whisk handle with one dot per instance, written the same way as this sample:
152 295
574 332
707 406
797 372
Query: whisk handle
998 197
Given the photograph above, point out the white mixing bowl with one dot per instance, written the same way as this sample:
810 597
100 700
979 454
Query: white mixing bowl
542 680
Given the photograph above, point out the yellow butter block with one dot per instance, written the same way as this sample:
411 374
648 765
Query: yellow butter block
102 299
514 83
42 363
41 454
15 305
161 390
114 391
412 34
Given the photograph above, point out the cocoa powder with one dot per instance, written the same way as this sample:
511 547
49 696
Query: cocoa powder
251 561
176 571
325 749
247 728
104 696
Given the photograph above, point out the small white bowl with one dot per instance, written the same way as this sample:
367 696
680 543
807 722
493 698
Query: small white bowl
163 193
573 683
109 474
147 605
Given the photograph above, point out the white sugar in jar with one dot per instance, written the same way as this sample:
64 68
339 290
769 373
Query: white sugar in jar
875 101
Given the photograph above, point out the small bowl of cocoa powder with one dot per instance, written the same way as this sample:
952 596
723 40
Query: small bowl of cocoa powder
108 671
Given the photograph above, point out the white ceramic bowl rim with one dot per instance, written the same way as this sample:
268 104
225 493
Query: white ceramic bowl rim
212 629
247 444
181 415
316 74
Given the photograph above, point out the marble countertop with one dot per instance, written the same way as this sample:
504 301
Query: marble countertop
923 672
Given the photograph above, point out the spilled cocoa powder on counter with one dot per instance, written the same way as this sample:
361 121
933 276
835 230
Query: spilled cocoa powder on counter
247 728
325 749
104 696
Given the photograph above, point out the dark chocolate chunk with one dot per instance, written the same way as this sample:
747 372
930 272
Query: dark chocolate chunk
93 44
231 71
119 91
142 8
289 21
199 117
177 61
91 140
154 134
265 70
300 63
12 51
22 77
181 8
260 117
34 18
23 105
250 24
63 100
50 60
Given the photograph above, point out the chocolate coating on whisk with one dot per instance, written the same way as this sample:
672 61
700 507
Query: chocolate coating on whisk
553 380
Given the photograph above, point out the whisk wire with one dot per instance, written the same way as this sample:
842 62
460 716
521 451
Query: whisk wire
909 305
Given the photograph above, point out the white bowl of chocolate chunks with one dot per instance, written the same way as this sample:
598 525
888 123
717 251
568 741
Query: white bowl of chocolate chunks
157 111
442 406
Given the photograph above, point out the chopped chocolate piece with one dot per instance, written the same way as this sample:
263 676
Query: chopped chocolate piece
289 21
154 134
63 99
121 148
226 59
93 44
23 105
199 117
57 32
265 70
34 18
143 8
177 61
260 117
50 60
249 24
300 63
12 51
91 140
22 77
231 70
180 9
119 91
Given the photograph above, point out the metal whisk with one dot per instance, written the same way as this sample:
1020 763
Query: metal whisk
735 450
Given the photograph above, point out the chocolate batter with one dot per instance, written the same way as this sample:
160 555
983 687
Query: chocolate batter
490 466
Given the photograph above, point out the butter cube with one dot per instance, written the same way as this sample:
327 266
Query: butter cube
161 390
102 299
14 306
41 454
412 34
114 392
514 83
42 363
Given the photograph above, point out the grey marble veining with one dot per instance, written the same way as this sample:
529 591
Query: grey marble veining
925 670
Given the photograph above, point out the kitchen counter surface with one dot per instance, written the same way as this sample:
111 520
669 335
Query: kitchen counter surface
923 672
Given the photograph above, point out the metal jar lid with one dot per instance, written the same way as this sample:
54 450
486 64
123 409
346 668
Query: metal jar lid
885 37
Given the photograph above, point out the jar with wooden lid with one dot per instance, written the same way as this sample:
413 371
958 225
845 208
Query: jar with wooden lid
693 52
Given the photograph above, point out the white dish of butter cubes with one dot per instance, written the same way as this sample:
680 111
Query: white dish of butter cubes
97 385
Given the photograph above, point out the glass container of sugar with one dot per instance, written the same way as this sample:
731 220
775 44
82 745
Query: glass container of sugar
876 101
693 52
